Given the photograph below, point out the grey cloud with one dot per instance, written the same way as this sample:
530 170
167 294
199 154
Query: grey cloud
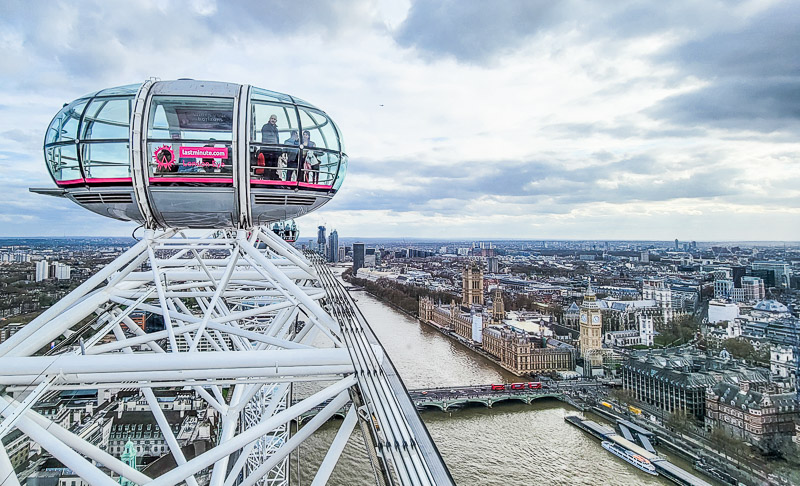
479 32
622 129
754 104
541 186
97 38
752 71
473 30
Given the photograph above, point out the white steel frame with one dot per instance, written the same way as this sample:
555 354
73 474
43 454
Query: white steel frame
244 319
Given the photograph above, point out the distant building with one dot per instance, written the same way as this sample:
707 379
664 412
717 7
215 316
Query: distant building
42 270
17 446
723 288
622 338
660 292
523 352
472 288
333 247
492 265
342 253
749 414
498 307
62 271
770 321
781 272
676 381
591 330
750 289
645 257
783 364
358 256
572 316
719 310
321 240
753 289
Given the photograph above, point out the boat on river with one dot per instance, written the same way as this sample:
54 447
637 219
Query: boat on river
637 460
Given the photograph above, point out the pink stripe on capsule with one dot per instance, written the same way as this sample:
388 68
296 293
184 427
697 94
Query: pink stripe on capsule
70 182
209 180
108 179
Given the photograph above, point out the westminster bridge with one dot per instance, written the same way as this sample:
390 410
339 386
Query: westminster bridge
449 398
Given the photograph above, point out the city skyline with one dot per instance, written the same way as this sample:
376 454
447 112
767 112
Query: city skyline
634 122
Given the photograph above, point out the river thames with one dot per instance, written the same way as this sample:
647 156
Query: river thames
509 444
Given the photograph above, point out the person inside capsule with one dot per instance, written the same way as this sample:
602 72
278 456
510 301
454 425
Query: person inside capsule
312 161
269 158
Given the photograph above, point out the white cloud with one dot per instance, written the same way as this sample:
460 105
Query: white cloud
589 110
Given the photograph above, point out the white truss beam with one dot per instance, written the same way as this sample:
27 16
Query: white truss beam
234 318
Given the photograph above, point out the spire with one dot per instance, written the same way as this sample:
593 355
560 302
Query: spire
589 296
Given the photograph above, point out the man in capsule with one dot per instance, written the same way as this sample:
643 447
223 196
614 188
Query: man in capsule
269 134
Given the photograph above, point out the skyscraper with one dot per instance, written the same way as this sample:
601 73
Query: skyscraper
358 257
321 240
333 247
676 244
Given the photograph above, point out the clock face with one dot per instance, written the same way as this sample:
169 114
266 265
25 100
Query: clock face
583 318
595 319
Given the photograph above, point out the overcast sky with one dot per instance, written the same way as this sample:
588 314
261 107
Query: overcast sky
513 119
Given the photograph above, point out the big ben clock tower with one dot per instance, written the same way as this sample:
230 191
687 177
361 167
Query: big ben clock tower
591 325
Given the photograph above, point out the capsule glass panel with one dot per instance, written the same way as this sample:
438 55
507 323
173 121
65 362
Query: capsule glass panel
128 89
190 135
260 94
321 132
62 161
340 175
319 167
190 118
275 165
64 127
273 124
106 160
107 118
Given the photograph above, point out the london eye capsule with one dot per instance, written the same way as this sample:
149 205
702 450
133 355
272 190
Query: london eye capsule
196 154
286 230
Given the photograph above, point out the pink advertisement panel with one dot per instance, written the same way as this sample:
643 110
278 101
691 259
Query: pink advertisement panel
206 152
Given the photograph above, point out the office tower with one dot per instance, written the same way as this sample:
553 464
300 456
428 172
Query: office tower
358 256
333 247
321 240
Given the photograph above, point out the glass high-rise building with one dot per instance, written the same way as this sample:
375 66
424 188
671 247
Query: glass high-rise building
333 247
358 256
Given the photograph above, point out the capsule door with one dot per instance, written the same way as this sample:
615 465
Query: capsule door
190 161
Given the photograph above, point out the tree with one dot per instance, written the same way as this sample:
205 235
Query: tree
678 421
739 348
776 446
621 396
720 440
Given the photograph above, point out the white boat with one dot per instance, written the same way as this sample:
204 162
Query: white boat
630 457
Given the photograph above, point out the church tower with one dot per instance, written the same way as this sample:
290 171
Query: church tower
472 290
498 307
591 327
128 457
